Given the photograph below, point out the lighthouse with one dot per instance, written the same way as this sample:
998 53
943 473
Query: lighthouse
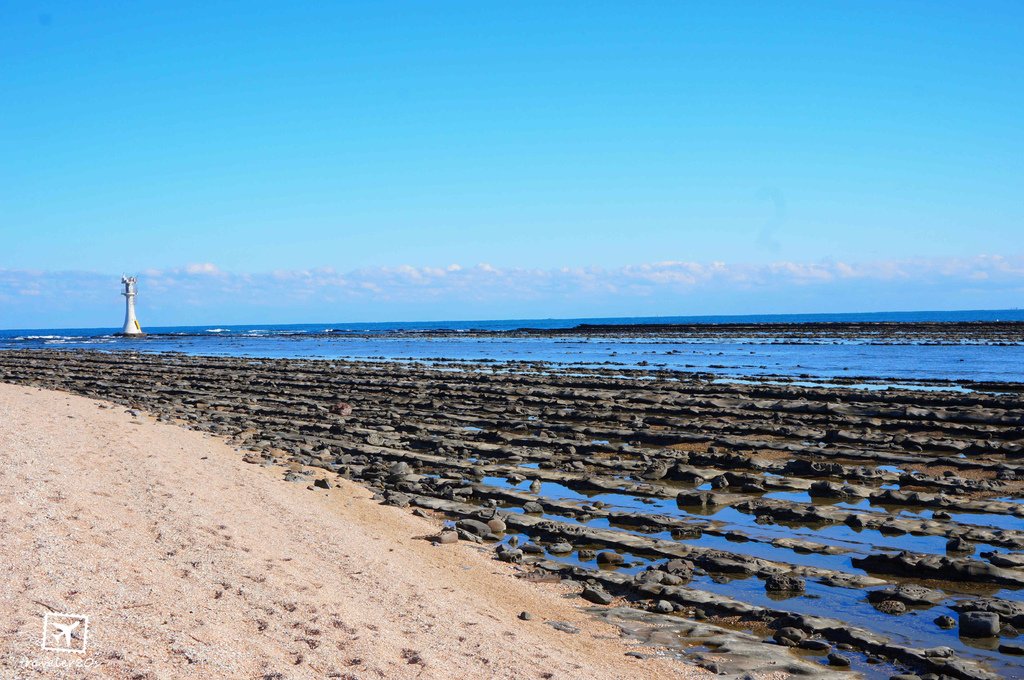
131 324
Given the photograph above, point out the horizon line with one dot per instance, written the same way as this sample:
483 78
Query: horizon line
557 318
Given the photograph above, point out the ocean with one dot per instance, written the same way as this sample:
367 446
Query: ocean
821 356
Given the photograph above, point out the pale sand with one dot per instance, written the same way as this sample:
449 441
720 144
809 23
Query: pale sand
191 563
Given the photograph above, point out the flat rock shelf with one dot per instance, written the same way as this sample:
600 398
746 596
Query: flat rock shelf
876 530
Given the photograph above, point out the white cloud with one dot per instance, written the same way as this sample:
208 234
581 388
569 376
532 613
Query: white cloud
202 268
206 285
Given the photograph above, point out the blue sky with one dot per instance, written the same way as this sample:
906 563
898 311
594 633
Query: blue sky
481 160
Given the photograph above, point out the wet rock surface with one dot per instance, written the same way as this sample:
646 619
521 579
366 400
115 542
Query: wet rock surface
855 517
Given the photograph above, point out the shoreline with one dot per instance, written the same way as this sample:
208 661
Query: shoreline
580 465
188 560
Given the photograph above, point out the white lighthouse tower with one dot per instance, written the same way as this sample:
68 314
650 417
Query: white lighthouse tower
131 324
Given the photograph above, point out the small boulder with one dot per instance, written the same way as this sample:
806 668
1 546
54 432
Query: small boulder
784 583
512 555
838 660
891 607
979 624
794 635
446 537
815 645
473 526
958 544
596 594
610 558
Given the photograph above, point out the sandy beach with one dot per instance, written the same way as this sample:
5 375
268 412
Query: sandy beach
191 563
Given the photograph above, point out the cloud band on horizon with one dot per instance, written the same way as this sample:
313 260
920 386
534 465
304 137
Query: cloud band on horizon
204 286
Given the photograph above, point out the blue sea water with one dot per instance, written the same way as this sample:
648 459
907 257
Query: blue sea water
728 357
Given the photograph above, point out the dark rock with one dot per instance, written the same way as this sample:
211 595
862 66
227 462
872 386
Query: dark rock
678 567
787 583
398 500
701 498
563 626
322 484
907 594
525 616
789 633
891 607
826 489
474 527
815 645
596 595
979 624
838 660
958 544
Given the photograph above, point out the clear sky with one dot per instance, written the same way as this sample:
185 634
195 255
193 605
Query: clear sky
349 161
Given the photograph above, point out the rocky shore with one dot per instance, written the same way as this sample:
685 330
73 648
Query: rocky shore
933 332
881 530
